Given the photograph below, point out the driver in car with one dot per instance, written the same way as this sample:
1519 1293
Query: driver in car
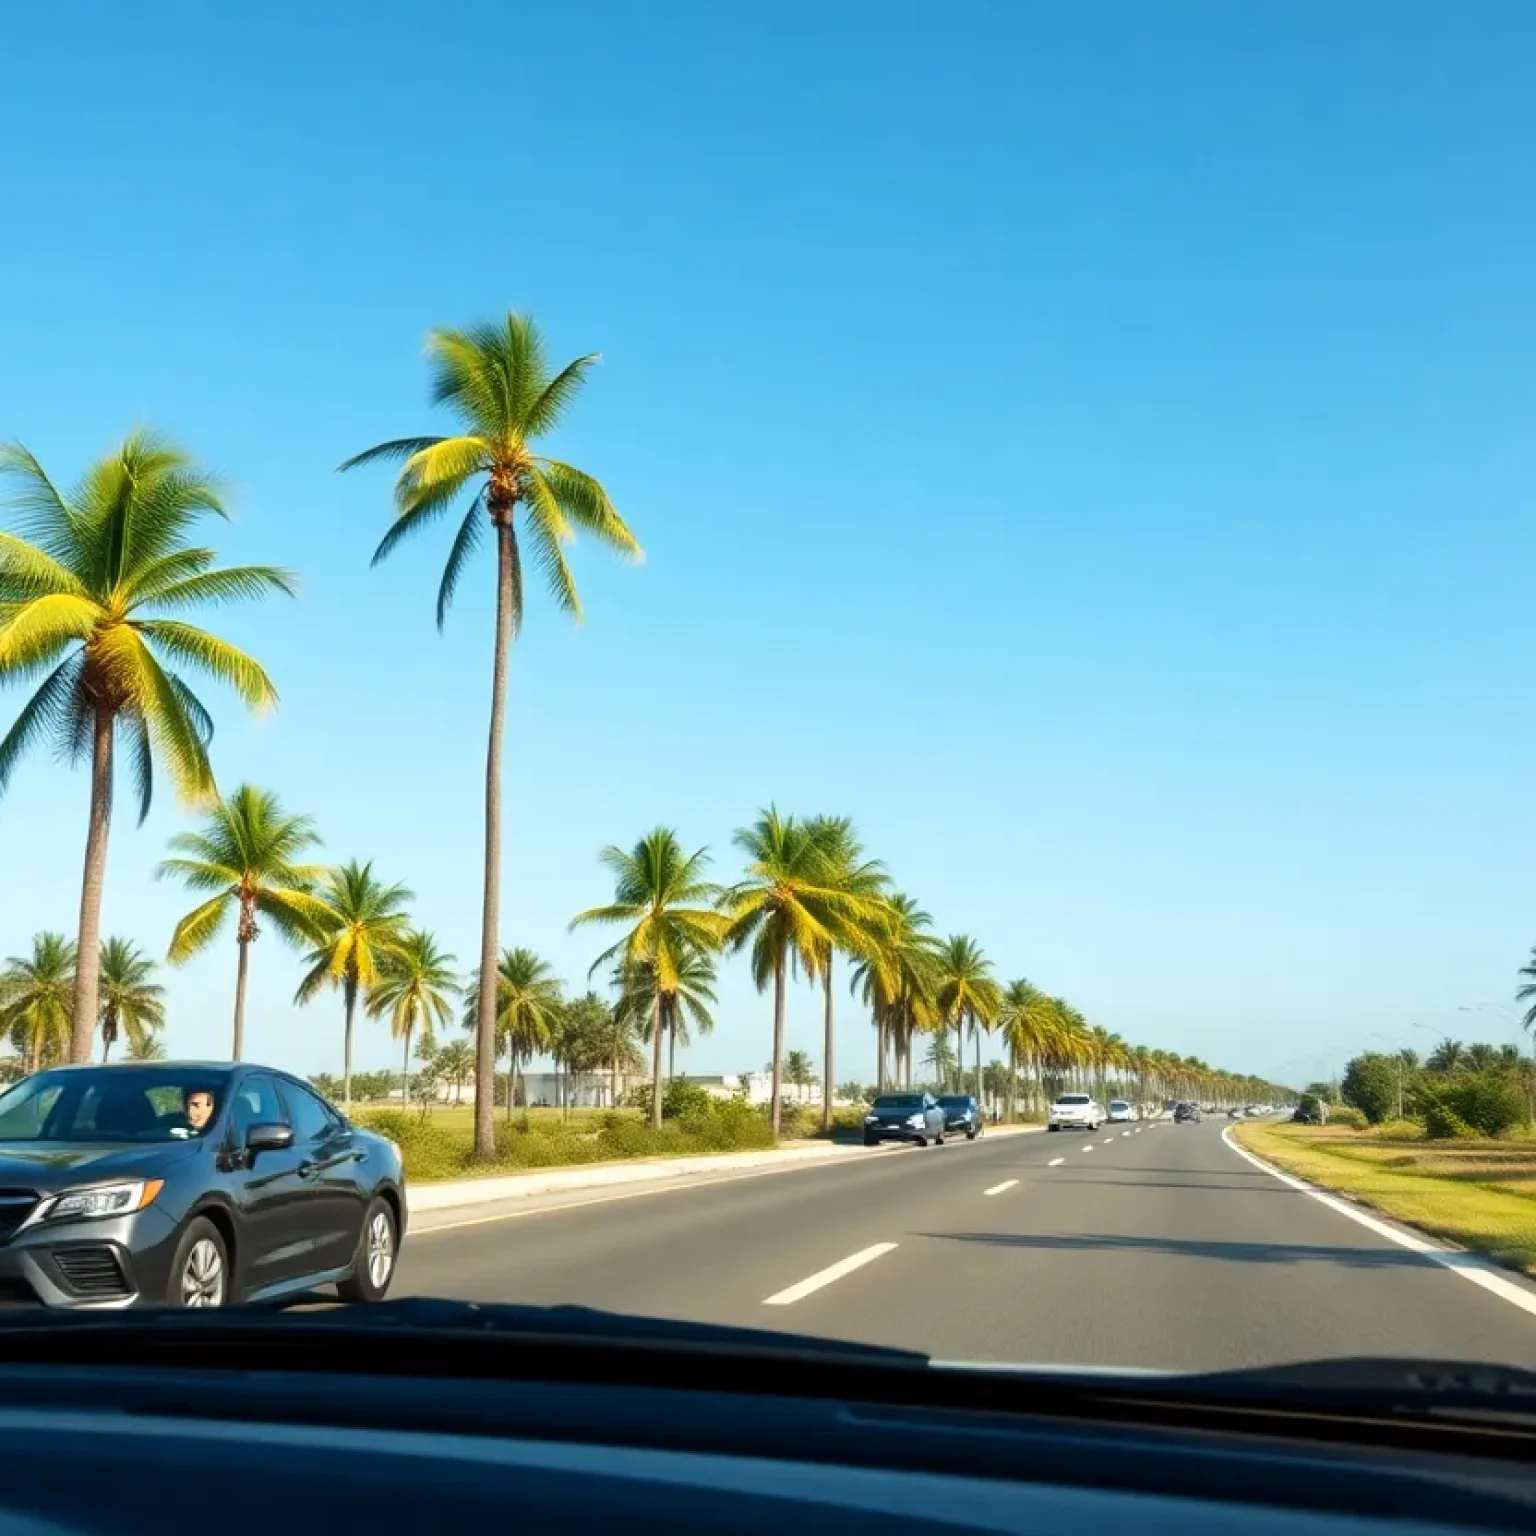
197 1108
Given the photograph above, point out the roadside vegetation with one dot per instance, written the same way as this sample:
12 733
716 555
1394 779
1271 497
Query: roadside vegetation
1477 1191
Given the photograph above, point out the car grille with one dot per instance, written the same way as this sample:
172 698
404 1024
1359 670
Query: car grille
15 1206
91 1270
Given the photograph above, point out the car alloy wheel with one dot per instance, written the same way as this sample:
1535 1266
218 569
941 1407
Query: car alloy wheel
202 1275
381 1249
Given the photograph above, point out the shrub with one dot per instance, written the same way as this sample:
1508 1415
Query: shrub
1442 1122
1400 1130
1371 1084
428 1150
1489 1102
1348 1115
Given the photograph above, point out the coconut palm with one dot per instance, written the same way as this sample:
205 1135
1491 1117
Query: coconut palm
1025 1018
36 994
496 379
90 588
800 1070
131 1002
364 923
247 856
966 994
847 871
660 895
415 983
689 996
789 912
897 983
527 1002
148 1049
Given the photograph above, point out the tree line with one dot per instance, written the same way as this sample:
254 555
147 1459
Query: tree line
1458 1090
96 583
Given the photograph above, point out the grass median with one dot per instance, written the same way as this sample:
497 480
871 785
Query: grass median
1480 1193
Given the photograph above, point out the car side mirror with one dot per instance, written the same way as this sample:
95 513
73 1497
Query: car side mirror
267 1137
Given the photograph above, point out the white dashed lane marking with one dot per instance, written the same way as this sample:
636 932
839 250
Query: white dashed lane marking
811 1283
997 1189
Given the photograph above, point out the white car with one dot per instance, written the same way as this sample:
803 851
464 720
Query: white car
1120 1112
1075 1111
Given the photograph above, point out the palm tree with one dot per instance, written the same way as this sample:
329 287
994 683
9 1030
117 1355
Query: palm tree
967 994
847 871
455 1065
415 982
527 1002
897 982
1447 1057
496 379
1025 1019
247 857
148 1049
131 1002
691 996
790 912
36 994
363 924
658 894
89 587
800 1070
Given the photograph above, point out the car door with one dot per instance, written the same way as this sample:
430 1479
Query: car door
272 1202
330 1165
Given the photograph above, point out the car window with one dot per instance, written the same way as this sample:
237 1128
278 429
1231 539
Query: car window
311 1119
1074 1098
22 1115
256 1102
899 1101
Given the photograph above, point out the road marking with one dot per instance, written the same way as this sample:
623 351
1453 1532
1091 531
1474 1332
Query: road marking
997 1189
1089 1147
1056 1162
799 1292
1124 1134
1458 1261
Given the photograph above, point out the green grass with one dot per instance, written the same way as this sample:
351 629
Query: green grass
1480 1193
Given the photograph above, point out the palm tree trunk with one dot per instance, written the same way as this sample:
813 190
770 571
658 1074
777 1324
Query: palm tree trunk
88 951
778 1038
672 1050
490 908
240 971
405 1064
511 1073
826 1054
1012 1100
349 1002
976 1036
879 1054
656 1061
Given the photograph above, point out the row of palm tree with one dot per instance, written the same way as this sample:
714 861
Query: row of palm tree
95 582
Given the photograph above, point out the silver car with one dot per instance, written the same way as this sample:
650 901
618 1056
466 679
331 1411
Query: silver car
1075 1111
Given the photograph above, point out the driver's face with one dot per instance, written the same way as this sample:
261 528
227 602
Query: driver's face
199 1109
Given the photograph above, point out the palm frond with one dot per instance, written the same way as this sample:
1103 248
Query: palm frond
585 503
233 584
199 928
399 448
230 665
465 542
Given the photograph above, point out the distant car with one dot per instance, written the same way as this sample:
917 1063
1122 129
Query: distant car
185 1184
1074 1111
915 1117
962 1116
1234 1113
1120 1111
1187 1112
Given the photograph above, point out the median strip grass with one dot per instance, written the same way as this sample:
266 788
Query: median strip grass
1479 1193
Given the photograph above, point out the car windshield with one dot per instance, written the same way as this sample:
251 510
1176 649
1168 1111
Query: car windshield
107 1104
925 617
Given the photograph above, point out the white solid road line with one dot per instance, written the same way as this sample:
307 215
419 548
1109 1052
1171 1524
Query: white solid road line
997 1189
804 1288
1457 1260
1089 1147
1056 1162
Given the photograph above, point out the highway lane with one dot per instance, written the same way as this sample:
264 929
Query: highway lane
1159 1248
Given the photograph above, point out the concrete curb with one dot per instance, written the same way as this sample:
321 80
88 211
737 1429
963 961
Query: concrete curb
456 1194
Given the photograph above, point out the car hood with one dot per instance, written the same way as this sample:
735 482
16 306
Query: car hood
49 1165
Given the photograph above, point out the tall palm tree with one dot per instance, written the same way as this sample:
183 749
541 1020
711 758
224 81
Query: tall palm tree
1025 1020
1447 1057
363 924
659 895
850 872
149 1048
497 381
897 983
89 588
967 994
414 986
527 1004
247 856
36 995
800 1070
790 913
132 1003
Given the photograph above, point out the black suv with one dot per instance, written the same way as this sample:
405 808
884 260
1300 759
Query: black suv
962 1116
1189 1112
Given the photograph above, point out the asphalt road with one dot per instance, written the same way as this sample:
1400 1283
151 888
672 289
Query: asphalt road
1154 1247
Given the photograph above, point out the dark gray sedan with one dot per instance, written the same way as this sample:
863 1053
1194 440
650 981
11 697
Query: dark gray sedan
189 1185
914 1116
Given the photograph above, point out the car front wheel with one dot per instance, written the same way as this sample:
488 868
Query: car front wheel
200 1270
377 1251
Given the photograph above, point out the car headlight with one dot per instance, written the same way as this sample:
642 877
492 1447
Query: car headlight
871 1119
100 1200
914 1120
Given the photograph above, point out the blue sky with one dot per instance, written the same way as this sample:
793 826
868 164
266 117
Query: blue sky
1089 444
